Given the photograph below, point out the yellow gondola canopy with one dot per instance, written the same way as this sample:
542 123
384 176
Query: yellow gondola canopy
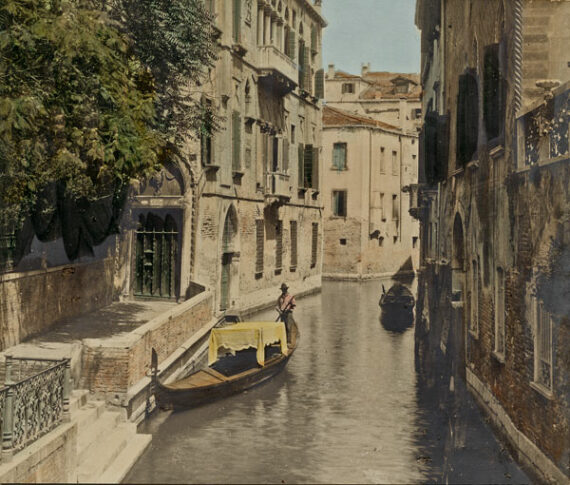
245 335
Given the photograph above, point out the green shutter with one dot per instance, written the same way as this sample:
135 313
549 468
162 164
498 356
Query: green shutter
301 65
301 155
236 141
285 155
320 84
307 71
291 47
315 174
314 46
308 167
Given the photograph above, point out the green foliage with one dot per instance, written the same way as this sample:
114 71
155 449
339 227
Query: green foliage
176 42
74 108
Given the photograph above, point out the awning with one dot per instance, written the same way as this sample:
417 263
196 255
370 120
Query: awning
245 335
271 106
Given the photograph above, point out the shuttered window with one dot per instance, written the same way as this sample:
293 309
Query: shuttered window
236 30
308 166
279 247
290 44
395 207
314 40
339 156
259 240
307 84
500 312
543 346
467 118
293 244
206 133
285 155
494 93
301 165
301 65
236 141
314 244
320 84
339 203
7 248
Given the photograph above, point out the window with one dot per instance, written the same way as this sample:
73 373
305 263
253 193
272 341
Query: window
500 313
467 131
381 241
339 203
542 346
342 242
494 93
382 213
293 134
308 166
293 245
156 256
395 207
394 163
314 244
347 88
236 141
236 26
339 156
320 84
414 242
474 323
402 88
278 247
382 160
259 240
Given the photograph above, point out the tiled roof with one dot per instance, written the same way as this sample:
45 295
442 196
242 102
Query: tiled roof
344 75
338 117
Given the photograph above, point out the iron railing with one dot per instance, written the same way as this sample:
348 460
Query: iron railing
34 401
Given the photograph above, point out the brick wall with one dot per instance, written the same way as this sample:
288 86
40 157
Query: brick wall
31 302
114 365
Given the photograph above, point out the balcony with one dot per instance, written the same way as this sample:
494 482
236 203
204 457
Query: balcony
277 188
277 68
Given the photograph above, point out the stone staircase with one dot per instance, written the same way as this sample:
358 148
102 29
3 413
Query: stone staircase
107 445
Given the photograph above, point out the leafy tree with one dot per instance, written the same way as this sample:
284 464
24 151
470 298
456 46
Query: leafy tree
74 106
176 42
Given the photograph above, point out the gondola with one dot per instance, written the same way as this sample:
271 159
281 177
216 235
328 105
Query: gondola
230 374
397 298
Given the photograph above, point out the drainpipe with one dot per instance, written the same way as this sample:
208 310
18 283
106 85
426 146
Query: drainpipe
400 190
518 58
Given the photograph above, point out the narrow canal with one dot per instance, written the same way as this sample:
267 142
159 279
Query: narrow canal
347 409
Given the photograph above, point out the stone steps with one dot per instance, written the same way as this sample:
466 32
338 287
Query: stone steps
107 446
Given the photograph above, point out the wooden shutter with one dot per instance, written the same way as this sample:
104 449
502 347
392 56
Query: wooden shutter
293 244
315 171
492 91
259 240
314 244
279 246
308 166
285 155
237 21
302 65
314 46
291 45
236 141
320 84
307 71
301 169
467 118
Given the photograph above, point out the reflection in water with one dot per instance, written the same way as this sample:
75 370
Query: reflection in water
347 409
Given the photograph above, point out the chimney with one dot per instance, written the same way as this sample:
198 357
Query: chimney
331 71
365 69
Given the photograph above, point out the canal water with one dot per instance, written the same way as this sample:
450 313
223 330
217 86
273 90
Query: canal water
348 408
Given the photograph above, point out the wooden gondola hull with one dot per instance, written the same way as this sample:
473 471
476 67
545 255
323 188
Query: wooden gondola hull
185 394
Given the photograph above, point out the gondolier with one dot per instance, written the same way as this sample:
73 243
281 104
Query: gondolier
285 305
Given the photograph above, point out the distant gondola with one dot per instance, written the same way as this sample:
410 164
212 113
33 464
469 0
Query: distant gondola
228 375
398 298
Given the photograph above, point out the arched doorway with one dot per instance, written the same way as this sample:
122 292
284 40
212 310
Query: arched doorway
230 257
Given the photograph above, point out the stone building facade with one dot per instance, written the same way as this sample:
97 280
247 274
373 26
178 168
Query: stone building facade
370 148
257 179
493 204
367 165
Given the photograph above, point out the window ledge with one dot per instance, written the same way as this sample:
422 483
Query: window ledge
473 165
498 356
547 393
474 334
238 174
211 168
239 49
336 169
258 275
278 271
497 151
292 269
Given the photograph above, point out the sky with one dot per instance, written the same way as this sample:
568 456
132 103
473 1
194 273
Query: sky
381 32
